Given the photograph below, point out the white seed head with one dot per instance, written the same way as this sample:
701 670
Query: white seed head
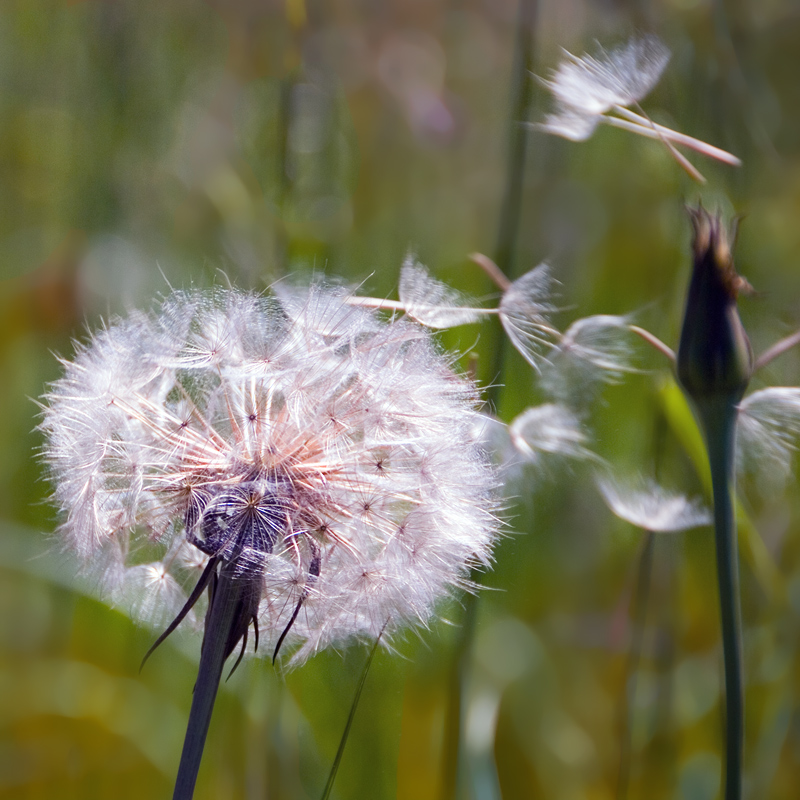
550 430
524 312
308 440
649 506
619 77
593 351
430 302
767 433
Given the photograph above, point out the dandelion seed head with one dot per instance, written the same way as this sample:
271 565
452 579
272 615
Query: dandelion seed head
550 430
767 432
592 85
431 302
647 505
524 312
326 452
569 123
593 351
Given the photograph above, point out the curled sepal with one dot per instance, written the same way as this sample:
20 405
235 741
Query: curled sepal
715 359
647 505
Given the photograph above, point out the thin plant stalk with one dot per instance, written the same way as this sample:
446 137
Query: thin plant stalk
521 90
326 793
222 617
511 209
778 349
653 341
508 229
719 423
714 366
640 598
452 754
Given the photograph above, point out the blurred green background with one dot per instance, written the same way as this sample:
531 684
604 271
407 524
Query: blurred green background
146 144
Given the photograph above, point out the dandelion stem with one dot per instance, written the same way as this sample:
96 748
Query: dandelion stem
654 341
654 131
651 131
222 616
778 349
719 422
492 270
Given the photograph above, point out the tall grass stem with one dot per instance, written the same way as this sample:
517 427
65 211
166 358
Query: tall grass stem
326 793
511 208
640 598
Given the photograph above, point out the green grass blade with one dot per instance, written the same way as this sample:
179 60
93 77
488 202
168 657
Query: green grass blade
640 598
350 717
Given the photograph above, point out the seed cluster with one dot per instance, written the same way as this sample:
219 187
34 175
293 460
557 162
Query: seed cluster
317 448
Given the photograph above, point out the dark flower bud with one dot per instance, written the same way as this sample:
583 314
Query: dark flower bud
715 360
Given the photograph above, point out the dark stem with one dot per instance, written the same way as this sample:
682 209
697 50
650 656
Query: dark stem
719 421
224 609
510 211
508 228
521 83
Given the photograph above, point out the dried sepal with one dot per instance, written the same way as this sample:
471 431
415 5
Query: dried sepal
715 359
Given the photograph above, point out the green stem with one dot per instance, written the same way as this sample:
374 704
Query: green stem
350 717
508 229
221 617
452 755
511 209
640 598
719 422
521 91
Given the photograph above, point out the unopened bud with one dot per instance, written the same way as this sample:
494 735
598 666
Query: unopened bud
715 360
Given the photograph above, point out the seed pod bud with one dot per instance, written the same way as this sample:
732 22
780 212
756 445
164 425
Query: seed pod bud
715 360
